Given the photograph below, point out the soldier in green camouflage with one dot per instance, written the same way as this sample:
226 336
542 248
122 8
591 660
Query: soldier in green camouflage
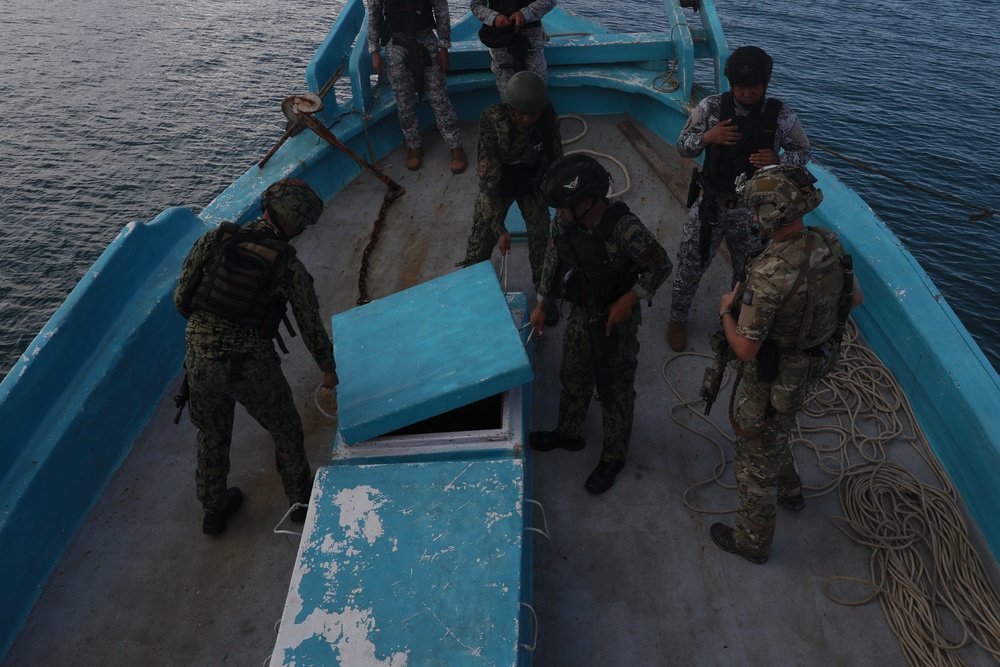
233 288
518 140
604 261
796 291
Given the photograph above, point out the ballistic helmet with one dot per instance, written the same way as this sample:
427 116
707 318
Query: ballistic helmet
780 195
294 202
748 66
574 178
526 92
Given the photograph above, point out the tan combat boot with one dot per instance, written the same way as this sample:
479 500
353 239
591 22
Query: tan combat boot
415 158
677 336
458 161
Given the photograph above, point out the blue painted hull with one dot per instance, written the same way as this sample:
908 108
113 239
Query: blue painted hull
74 403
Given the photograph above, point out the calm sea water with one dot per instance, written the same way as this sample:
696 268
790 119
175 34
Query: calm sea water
116 109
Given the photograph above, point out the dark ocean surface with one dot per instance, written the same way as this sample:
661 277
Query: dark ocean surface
113 110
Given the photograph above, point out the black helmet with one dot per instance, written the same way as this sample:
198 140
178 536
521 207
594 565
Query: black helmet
526 92
294 202
573 178
748 66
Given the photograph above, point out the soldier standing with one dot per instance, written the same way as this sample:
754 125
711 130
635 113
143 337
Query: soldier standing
233 288
513 31
739 131
798 294
518 140
417 62
604 261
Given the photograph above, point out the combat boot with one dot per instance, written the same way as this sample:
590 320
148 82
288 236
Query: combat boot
722 535
546 441
677 336
458 160
603 476
215 522
414 158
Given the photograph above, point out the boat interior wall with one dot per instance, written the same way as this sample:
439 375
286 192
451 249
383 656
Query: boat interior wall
67 422
952 386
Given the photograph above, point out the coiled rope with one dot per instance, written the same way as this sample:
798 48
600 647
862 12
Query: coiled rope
606 156
932 585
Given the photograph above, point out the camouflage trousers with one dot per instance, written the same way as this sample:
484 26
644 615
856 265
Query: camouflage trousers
503 63
742 236
259 386
620 353
437 94
488 211
765 469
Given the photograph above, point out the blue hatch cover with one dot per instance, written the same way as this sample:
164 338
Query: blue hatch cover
424 351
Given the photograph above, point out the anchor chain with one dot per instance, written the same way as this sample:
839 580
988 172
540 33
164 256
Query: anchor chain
390 196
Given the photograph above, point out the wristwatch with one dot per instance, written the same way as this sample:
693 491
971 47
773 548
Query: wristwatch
723 313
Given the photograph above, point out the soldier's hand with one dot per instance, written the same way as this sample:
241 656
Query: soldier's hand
517 18
726 133
621 310
537 318
728 299
329 380
501 22
443 62
377 63
504 243
764 158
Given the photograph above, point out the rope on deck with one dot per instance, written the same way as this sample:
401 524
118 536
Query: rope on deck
932 585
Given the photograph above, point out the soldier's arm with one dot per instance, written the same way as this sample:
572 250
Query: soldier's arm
482 11
547 280
375 20
442 17
305 306
537 9
792 138
647 253
189 269
691 142
490 163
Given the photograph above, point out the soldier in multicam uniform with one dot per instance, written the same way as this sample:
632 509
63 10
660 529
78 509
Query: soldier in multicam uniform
797 292
604 261
739 131
513 31
518 140
417 61
230 353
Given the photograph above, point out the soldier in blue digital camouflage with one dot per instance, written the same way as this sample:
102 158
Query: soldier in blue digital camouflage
518 140
604 261
512 29
233 288
786 334
417 62
739 131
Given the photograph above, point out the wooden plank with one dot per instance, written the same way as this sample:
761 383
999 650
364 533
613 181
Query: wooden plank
677 185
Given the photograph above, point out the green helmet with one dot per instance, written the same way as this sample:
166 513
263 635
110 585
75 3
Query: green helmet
526 92
780 195
294 202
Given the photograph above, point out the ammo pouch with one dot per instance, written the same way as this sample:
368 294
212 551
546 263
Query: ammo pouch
768 357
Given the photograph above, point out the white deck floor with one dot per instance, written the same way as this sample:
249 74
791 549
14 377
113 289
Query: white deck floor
630 577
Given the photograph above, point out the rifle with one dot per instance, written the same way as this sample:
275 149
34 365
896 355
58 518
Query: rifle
712 381
598 348
181 399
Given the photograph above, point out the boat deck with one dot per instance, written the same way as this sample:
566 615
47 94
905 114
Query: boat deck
629 577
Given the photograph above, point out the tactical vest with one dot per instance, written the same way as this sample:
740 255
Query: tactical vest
584 275
518 177
817 347
724 164
408 17
238 277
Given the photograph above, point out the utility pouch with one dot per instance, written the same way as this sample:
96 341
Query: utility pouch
694 188
768 358
788 391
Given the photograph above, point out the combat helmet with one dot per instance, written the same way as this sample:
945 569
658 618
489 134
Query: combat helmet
574 178
780 195
294 202
748 66
526 92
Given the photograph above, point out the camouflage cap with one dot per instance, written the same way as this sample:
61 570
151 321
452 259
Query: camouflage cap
294 202
780 195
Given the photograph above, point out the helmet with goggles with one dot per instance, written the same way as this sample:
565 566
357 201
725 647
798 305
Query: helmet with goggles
780 195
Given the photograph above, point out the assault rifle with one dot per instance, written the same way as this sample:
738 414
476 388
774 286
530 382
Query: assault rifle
712 381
